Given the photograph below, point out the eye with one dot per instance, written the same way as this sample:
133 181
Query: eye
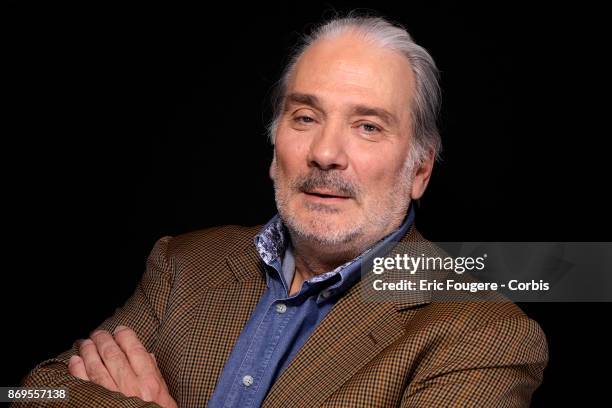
303 119
370 128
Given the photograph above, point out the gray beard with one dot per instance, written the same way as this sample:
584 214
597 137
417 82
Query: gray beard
353 237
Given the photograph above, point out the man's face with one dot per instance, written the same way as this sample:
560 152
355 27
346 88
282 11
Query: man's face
341 171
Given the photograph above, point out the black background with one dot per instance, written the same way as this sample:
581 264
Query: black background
124 123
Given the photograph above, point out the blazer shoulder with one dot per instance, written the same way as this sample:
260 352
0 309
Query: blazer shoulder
481 308
473 311
200 258
471 314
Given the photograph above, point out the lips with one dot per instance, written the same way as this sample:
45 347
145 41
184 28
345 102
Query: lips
322 193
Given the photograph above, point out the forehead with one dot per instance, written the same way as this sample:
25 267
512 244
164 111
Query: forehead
348 69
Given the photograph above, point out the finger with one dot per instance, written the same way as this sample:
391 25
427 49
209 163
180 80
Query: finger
155 363
76 366
115 361
95 369
137 354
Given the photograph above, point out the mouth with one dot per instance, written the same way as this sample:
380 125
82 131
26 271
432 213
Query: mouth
325 195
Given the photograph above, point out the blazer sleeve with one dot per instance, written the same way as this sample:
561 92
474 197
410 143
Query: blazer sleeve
142 312
498 365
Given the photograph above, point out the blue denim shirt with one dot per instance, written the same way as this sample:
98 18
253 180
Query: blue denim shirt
280 324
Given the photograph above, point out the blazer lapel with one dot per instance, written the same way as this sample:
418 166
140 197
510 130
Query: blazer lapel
219 317
353 333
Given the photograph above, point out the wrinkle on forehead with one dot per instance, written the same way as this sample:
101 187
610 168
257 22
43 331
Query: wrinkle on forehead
349 66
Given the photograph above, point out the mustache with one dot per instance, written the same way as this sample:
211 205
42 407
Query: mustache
329 180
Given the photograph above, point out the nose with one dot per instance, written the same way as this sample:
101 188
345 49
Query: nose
328 148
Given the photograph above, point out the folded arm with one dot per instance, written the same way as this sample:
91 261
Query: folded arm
142 312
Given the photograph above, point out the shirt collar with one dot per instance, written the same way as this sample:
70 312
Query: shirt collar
271 240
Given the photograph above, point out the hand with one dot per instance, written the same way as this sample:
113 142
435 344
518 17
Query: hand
121 364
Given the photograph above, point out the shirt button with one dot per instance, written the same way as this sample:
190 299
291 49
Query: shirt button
247 380
326 294
281 308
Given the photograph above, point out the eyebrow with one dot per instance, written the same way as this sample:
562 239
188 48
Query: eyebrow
297 98
385 116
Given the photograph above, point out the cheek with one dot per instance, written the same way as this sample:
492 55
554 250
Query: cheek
291 153
377 171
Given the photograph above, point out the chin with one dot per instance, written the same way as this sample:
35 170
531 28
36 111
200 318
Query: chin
325 228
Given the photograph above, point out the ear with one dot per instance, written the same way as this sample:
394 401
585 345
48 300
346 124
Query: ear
272 170
421 176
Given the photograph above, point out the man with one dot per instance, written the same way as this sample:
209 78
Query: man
272 315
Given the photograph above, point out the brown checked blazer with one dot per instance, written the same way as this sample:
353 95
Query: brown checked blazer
199 289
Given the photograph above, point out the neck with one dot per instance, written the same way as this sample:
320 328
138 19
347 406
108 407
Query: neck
311 261
313 258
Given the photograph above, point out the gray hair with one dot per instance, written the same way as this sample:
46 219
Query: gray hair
425 105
